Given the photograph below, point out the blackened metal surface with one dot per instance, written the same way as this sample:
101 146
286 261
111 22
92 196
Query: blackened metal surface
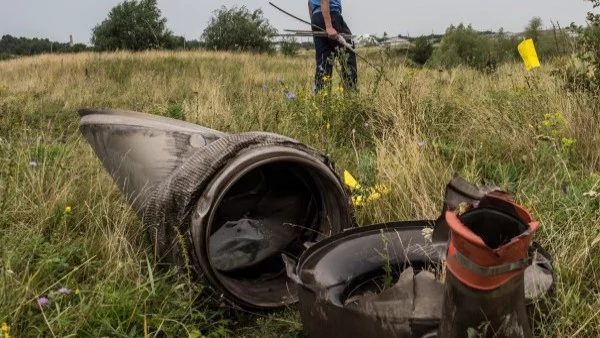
342 280
329 273
500 313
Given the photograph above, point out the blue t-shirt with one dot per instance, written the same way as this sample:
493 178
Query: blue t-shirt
334 5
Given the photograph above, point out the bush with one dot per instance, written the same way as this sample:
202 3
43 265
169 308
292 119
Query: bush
584 75
548 44
238 29
465 46
590 48
422 50
290 47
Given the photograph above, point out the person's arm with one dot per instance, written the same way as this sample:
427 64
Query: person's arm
310 9
331 32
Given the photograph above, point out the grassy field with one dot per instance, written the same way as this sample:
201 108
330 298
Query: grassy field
64 224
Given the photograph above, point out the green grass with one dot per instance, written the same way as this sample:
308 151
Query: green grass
495 128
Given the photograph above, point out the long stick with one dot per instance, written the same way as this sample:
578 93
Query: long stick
320 34
312 34
295 17
339 39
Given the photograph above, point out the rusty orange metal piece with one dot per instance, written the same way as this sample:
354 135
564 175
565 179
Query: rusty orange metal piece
502 263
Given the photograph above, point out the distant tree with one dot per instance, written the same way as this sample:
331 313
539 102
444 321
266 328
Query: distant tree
534 28
422 50
133 25
463 45
290 47
238 29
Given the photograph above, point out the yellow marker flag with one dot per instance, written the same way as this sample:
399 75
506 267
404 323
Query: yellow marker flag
350 181
529 55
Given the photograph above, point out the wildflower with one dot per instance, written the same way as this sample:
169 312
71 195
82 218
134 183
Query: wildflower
33 164
375 193
5 330
67 209
568 142
64 291
422 144
340 89
76 291
280 81
42 301
290 95
264 86
530 126
328 126
325 78
366 124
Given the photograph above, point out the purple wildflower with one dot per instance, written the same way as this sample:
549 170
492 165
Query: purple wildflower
64 291
290 95
264 86
422 144
33 164
42 301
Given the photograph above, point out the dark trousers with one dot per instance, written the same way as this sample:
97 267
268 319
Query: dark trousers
327 50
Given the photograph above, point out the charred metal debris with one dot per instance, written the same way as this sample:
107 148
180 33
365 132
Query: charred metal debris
265 222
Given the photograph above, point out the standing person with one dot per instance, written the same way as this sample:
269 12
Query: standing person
327 14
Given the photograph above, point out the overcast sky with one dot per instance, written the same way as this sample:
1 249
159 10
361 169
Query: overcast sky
56 19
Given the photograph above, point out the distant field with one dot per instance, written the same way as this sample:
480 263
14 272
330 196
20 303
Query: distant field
521 131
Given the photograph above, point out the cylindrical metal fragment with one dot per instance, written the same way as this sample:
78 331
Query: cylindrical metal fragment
488 255
225 206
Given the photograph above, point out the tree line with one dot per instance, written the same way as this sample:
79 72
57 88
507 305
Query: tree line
10 45
138 25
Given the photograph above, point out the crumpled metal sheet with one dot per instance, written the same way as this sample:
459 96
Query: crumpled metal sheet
342 278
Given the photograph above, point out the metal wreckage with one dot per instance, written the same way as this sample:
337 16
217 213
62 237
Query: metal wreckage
265 222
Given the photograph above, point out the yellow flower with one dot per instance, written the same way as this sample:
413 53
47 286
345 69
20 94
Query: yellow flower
76 291
340 89
67 209
328 126
530 126
358 201
325 78
568 142
5 330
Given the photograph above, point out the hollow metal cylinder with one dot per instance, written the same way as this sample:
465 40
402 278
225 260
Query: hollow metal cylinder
226 206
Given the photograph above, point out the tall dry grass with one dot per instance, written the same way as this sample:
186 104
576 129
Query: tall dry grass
521 131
